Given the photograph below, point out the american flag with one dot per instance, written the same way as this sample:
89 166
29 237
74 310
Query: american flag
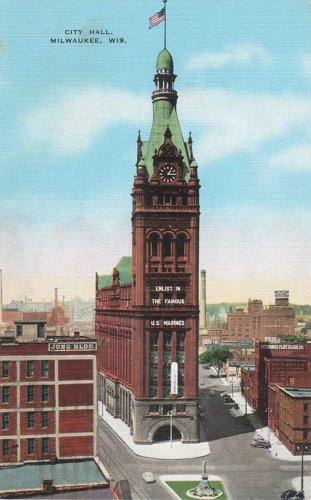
157 18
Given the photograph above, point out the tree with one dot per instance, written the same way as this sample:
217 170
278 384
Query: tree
216 357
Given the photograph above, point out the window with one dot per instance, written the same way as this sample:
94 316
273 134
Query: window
166 357
30 368
167 246
41 331
153 391
181 339
305 407
30 420
30 393
153 356
44 393
5 421
5 447
167 339
167 409
5 369
180 246
19 330
305 435
154 340
180 357
44 445
44 419
305 419
44 368
154 245
30 446
5 394
166 374
154 408
153 373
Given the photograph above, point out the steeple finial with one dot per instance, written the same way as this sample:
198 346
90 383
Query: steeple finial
190 146
167 133
139 143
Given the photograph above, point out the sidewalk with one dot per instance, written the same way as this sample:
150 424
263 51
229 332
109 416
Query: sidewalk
162 450
277 450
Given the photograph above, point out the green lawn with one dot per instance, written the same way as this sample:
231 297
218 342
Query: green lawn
180 487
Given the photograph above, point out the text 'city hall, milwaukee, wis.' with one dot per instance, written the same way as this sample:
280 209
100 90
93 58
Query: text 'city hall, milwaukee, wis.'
147 310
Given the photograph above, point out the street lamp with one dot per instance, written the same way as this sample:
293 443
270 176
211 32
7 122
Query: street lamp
268 411
171 428
302 448
245 397
231 387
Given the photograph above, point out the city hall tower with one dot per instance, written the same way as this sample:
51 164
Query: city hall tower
147 311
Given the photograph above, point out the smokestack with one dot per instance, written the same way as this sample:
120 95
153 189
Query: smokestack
202 323
1 300
56 298
63 301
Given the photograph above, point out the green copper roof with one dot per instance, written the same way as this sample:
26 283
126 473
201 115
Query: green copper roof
164 114
124 267
165 60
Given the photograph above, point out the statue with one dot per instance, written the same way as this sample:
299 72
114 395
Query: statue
204 490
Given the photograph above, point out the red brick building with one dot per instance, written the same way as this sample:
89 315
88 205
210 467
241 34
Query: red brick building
292 417
259 323
47 399
284 364
147 311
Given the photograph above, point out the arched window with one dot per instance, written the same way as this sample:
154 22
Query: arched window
181 246
167 246
154 245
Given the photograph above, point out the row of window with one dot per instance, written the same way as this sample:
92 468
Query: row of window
30 420
30 446
44 368
167 245
153 389
166 409
5 394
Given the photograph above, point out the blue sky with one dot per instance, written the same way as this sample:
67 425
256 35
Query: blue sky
70 116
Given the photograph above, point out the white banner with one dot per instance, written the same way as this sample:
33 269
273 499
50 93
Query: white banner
174 378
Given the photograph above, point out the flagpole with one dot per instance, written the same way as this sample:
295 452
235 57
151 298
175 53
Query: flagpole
164 1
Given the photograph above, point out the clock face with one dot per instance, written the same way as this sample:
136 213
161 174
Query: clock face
167 173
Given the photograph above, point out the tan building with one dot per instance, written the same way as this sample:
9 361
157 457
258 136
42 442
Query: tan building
259 323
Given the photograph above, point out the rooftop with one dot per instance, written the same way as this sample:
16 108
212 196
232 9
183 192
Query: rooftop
30 477
298 392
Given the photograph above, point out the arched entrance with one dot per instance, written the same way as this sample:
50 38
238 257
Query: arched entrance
163 434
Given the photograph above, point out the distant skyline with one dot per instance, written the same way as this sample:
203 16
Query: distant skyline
70 117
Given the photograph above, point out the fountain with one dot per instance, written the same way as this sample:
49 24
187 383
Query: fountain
204 490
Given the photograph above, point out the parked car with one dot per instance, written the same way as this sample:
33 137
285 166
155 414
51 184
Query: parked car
236 406
228 400
260 444
224 395
148 477
260 439
291 494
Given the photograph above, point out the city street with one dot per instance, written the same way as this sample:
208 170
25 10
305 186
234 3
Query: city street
248 473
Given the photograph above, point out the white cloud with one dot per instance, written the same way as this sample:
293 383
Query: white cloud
296 158
235 54
306 65
232 123
68 122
